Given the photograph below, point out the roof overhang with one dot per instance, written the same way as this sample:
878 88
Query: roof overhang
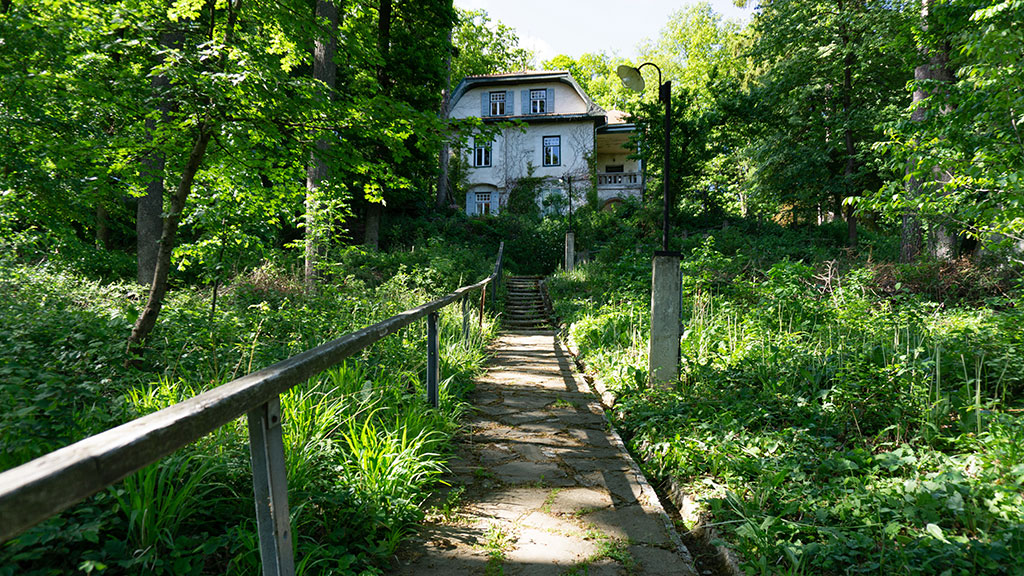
543 118
616 129
561 76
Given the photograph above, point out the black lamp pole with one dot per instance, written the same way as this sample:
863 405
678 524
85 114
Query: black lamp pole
665 95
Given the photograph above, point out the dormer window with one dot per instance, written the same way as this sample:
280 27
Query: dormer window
497 103
538 101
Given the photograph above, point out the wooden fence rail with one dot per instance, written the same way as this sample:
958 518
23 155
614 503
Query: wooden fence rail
42 488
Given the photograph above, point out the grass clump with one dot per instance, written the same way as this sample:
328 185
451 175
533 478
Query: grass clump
828 418
362 448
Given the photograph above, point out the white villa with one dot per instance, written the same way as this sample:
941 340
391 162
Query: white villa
563 128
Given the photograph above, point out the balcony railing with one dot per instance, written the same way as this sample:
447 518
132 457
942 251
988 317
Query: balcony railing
618 180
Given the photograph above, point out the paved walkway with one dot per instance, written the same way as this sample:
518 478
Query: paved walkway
541 485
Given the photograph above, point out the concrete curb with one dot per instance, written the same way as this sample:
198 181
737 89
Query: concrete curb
688 508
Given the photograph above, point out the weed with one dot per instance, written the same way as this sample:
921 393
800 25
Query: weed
361 447
822 422
562 403
497 542
549 500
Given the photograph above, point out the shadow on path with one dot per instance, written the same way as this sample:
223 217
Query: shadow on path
544 486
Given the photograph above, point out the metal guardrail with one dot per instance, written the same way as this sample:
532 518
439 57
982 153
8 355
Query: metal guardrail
42 488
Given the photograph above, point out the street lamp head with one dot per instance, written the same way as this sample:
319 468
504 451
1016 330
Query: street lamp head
631 78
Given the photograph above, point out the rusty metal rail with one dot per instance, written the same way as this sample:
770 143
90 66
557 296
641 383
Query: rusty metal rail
42 488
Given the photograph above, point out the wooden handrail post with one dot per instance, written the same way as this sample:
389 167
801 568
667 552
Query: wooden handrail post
465 319
433 364
483 299
498 265
270 487
37 490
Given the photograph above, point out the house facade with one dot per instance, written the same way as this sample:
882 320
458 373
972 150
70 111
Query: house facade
560 130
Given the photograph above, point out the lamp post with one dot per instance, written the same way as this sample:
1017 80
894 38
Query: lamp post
663 353
632 79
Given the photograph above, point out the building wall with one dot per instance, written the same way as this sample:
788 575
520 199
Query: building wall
567 101
516 150
628 165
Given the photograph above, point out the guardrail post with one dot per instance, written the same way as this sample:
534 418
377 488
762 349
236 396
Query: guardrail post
433 365
483 298
465 319
498 266
270 486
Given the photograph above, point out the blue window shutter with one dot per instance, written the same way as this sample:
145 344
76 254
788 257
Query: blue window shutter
470 203
549 106
485 99
525 95
510 102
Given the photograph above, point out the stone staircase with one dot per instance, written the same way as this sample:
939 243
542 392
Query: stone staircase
524 304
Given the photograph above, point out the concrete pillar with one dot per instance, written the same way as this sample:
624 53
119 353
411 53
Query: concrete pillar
663 354
570 251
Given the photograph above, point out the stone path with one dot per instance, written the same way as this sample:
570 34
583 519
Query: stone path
541 485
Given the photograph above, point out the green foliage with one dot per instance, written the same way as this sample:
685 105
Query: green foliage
596 74
362 448
826 420
486 47
522 196
965 139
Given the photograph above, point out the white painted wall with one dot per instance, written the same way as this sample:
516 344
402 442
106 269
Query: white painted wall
628 165
516 150
567 101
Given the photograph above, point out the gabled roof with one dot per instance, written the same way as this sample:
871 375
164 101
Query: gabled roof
562 76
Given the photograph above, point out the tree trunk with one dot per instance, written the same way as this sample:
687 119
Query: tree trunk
941 236
102 227
934 67
147 320
371 237
150 207
911 234
910 230
851 148
443 184
324 70
148 213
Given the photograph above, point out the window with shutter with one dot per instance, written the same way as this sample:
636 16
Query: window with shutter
483 202
497 104
538 101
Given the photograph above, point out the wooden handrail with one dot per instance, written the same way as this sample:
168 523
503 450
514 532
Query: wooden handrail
42 488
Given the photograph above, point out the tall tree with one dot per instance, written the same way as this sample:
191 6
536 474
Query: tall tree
932 71
325 71
150 207
829 74
374 208
443 185
962 147
485 46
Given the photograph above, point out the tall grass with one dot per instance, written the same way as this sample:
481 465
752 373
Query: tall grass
362 448
825 427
